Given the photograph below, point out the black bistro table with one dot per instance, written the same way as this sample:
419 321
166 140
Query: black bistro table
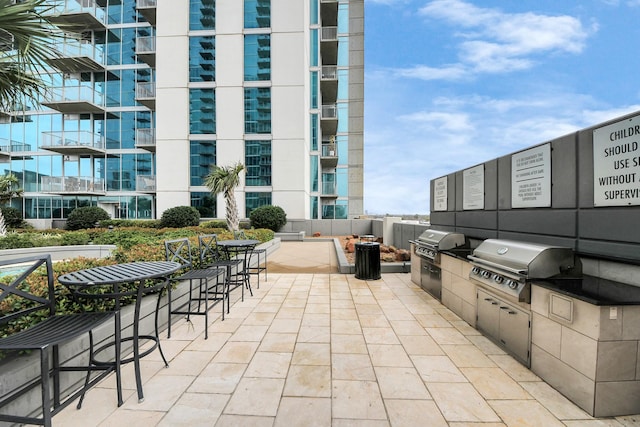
240 248
128 280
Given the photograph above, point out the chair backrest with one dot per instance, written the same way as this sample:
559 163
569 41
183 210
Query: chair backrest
208 246
179 250
19 297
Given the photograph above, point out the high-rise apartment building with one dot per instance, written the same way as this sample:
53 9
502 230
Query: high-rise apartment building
156 91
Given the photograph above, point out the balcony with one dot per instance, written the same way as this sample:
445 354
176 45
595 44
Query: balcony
329 190
329 156
146 50
146 183
329 34
77 15
79 143
146 94
147 8
72 185
76 56
146 139
75 100
329 119
329 83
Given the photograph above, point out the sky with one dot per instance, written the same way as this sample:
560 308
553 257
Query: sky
450 84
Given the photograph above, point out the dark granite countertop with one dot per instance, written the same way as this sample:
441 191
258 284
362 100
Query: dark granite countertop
594 290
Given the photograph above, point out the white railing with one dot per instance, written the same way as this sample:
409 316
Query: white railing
65 7
329 72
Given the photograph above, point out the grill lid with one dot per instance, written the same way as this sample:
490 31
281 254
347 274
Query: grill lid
441 240
525 259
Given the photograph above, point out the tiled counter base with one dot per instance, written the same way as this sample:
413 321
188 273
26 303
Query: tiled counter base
458 293
590 353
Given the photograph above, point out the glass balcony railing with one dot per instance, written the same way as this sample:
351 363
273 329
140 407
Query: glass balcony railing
145 45
72 139
146 138
145 90
146 183
72 184
76 12
63 94
329 72
329 188
329 111
80 49
329 34
141 4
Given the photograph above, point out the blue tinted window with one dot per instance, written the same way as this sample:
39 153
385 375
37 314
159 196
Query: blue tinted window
343 51
343 18
314 173
202 59
257 13
203 156
315 43
314 207
202 15
257 155
315 132
314 11
205 203
202 111
257 57
342 182
343 85
257 110
255 200
314 89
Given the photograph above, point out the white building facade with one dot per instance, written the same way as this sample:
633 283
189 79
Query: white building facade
159 90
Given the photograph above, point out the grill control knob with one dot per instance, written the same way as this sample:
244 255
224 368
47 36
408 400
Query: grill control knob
512 284
498 279
475 270
486 274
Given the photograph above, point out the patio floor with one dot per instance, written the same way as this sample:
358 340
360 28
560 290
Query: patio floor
326 349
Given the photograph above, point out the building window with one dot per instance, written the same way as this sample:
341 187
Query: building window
257 57
314 89
203 156
257 13
339 210
315 48
255 200
205 203
315 131
202 15
257 155
202 59
257 110
202 111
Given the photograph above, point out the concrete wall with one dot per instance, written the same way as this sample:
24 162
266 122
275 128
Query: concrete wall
572 219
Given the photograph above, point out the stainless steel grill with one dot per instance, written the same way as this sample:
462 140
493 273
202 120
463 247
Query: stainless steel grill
431 242
508 266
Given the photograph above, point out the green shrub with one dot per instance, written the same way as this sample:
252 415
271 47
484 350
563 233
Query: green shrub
12 217
180 216
86 217
271 217
142 223
216 223
75 238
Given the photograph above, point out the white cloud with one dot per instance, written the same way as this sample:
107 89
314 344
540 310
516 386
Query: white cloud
423 72
494 41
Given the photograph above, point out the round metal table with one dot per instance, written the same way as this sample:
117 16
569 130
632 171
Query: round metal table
240 248
118 277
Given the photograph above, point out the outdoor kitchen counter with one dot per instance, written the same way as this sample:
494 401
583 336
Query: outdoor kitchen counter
586 344
594 290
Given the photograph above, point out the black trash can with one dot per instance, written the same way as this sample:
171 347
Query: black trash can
368 261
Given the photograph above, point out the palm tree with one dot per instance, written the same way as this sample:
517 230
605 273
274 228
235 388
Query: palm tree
225 180
25 45
7 192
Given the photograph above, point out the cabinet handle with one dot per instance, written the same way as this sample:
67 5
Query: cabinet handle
504 308
494 303
513 312
488 299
